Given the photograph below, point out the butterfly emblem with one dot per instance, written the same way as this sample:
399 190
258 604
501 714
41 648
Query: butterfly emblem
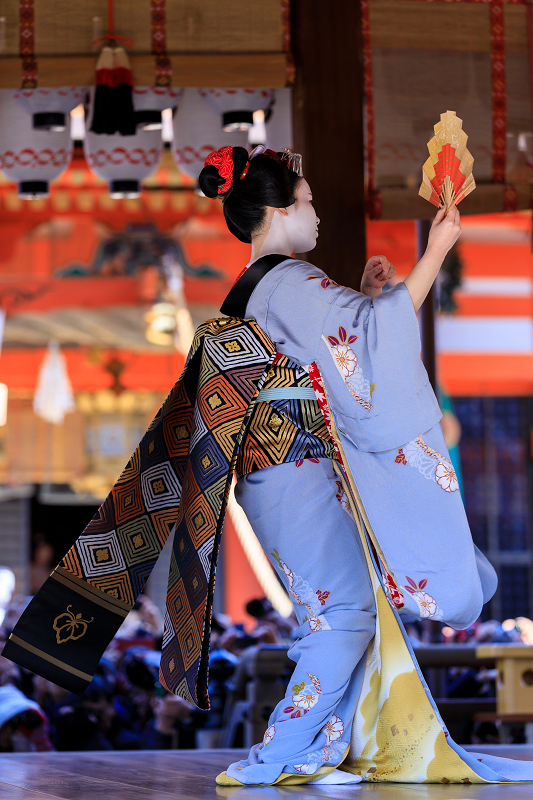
70 626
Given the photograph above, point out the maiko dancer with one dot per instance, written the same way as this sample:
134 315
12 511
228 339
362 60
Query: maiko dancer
316 396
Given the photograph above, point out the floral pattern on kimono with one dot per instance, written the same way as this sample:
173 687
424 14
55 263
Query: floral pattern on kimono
427 604
431 464
304 595
332 751
342 497
346 362
305 696
320 392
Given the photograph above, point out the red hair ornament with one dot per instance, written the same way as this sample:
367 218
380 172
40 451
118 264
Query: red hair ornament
222 160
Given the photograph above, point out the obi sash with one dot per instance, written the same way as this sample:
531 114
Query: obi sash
286 423
177 480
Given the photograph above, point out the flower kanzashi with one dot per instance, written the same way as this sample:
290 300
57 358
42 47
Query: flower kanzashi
446 477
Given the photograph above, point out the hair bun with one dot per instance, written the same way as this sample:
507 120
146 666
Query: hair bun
209 180
221 169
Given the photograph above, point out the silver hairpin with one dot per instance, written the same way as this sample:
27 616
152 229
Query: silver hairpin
293 161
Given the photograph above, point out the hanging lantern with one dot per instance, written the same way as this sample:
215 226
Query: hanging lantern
53 395
237 106
49 108
278 121
150 101
197 133
30 157
123 161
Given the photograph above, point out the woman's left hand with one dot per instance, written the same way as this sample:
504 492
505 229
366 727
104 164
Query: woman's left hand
378 271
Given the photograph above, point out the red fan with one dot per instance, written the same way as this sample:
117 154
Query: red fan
447 174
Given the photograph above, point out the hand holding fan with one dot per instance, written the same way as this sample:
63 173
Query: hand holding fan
447 174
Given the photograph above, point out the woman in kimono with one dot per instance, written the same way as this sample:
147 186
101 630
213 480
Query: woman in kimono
347 387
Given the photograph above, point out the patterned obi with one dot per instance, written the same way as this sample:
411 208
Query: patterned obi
286 423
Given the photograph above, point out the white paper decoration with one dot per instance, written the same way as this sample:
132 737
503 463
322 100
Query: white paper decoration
197 132
53 395
150 101
30 157
123 161
50 107
237 106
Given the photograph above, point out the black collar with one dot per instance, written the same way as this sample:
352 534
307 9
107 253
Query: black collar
238 296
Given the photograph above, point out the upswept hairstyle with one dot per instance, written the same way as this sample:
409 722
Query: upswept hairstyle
268 182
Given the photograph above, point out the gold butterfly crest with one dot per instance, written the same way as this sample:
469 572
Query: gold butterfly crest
70 626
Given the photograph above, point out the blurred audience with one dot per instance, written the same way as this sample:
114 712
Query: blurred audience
126 708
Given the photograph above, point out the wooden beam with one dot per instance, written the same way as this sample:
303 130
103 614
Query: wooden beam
328 129
246 70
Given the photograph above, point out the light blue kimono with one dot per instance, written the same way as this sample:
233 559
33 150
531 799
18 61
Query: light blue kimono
386 420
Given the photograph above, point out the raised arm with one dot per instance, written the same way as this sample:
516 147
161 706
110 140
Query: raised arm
444 233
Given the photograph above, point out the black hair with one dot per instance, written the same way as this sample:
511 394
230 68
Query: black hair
268 182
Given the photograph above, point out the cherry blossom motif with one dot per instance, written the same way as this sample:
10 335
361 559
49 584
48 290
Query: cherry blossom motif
343 354
307 699
346 362
332 752
304 697
269 735
303 594
333 729
446 477
430 463
427 605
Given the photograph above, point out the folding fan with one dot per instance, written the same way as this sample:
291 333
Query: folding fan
447 174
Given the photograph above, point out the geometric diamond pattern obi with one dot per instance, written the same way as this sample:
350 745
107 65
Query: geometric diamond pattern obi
177 480
286 429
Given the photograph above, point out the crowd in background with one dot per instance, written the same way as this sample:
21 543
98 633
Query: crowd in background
126 708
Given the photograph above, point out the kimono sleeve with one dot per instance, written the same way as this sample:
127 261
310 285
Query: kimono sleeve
370 360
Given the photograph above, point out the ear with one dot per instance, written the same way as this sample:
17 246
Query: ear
283 211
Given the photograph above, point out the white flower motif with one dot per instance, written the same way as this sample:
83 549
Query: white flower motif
345 359
306 769
426 603
446 477
319 623
269 735
305 699
333 729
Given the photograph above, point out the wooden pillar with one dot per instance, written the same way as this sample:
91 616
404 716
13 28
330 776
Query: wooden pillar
328 129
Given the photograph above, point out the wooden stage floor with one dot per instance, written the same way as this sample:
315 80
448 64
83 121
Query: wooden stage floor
190 774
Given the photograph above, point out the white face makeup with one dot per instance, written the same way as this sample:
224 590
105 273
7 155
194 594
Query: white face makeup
301 221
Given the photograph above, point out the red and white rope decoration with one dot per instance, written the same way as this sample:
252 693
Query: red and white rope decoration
26 43
163 66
